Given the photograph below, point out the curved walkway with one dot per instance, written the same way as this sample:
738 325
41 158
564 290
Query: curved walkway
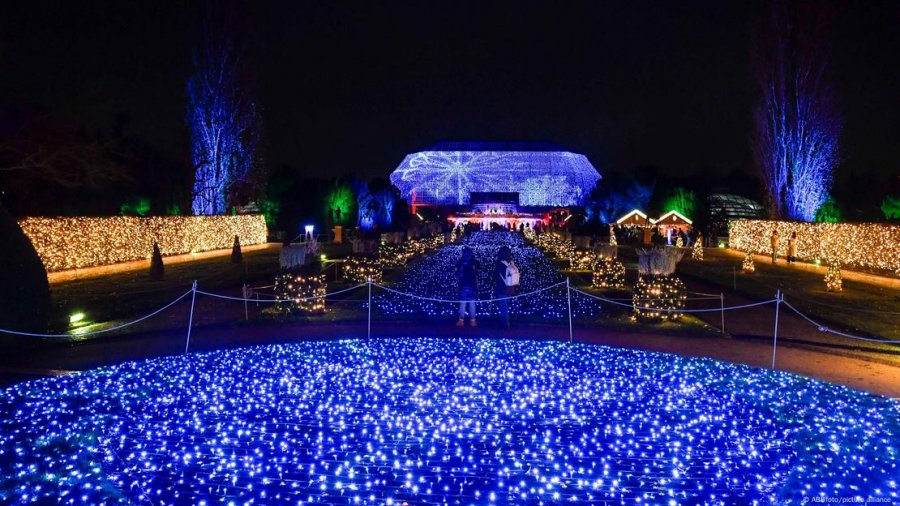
856 373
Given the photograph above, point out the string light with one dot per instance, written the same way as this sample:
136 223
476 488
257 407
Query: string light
697 249
360 269
748 266
442 421
659 298
294 292
608 273
833 279
582 260
863 245
541 178
72 243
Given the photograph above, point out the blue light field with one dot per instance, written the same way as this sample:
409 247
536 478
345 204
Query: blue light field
442 421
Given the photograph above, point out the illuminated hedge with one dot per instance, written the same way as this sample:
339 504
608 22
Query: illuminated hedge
866 245
70 243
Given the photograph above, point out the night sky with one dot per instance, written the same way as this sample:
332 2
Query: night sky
352 87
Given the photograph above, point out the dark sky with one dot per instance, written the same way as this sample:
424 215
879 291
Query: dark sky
352 87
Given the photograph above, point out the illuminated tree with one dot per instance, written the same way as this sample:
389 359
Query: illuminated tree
340 204
224 120
795 141
890 206
681 200
828 212
615 196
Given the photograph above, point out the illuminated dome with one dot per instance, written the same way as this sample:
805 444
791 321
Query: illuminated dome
542 175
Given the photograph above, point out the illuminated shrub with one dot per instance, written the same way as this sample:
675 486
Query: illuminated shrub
608 273
658 295
71 243
865 245
582 260
833 279
659 298
24 291
748 266
697 249
293 291
392 255
361 269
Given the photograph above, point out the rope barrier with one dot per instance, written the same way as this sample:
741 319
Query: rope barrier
810 301
102 331
710 310
823 328
470 300
314 297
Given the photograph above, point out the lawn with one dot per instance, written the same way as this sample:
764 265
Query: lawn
861 308
131 294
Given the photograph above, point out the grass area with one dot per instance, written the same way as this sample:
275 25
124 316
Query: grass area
860 308
130 294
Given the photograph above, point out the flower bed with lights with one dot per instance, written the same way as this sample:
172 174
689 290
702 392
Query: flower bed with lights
861 245
442 421
435 277
659 295
294 292
72 243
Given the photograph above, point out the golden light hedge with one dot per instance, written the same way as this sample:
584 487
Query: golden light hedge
70 243
865 245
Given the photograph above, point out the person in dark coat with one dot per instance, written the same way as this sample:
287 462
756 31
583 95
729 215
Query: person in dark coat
467 277
504 258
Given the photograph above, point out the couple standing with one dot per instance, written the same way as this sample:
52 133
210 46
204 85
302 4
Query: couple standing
506 278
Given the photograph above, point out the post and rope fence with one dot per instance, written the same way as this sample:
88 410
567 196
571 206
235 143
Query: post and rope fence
569 301
775 331
722 302
369 326
187 342
246 291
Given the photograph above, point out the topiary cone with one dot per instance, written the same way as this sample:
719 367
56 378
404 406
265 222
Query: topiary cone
236 255
24 290
157 269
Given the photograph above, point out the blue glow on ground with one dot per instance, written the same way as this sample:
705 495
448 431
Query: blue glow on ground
442 421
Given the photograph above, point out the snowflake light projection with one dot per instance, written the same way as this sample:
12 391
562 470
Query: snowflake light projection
542 178
442 421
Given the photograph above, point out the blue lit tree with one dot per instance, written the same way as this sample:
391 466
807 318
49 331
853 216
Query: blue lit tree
795 141
224 120
615 196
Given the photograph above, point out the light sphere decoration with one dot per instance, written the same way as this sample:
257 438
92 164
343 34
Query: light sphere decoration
442 421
